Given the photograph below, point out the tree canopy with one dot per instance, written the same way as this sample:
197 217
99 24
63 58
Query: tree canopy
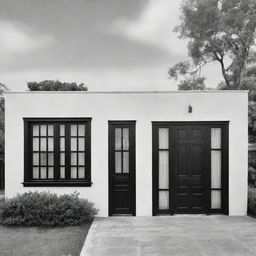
221 31
55 85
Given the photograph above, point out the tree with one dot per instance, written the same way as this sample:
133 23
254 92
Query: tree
3 88
51 85
221 31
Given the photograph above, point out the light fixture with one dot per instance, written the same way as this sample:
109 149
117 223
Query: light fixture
190 109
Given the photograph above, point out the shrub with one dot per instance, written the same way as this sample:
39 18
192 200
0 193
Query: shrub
52 85
47 209
252 200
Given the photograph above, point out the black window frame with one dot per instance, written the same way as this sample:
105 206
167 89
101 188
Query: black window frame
56 182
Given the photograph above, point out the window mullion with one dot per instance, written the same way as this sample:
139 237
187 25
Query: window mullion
47 167
67 151
39 151
122 148
56 151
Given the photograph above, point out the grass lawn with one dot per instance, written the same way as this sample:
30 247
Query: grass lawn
16 241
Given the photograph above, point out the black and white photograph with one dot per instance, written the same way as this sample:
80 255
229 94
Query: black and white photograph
127 127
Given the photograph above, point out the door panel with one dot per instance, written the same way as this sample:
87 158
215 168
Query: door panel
121 168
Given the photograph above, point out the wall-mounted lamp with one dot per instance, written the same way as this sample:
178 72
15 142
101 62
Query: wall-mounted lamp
190 109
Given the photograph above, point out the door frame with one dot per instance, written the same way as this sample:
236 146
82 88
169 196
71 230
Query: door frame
119 123
224 125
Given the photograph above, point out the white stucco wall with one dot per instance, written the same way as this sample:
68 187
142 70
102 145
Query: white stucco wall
143 107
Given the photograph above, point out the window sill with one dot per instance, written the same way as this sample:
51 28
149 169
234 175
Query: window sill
57 184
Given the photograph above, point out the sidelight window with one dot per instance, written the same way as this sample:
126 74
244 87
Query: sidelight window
163 177
216 163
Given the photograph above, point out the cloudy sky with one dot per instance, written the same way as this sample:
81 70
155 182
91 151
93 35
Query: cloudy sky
107 44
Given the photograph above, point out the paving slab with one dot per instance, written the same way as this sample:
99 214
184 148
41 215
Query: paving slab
183 235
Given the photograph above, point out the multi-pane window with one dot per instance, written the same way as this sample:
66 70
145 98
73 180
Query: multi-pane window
216 152
77 149
57 151
122 150
43 151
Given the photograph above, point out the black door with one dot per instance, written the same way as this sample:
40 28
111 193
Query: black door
121 168
190 167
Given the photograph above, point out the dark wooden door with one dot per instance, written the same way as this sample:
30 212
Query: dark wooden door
190 168
121 168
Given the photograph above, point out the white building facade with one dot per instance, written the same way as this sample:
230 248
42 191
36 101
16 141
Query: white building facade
131 153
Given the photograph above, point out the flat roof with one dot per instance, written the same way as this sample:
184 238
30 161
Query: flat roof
126 92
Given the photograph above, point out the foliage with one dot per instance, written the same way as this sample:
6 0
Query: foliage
252 200
252 122
220 31
190 80
51 85
252 176
46 209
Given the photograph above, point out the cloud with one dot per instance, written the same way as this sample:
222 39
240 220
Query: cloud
154 26
17 39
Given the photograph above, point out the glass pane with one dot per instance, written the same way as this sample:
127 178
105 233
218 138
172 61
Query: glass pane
43 159
118 143
35 173
216 138
164 169
50 172
43 172
62 130
43 144
50 159
81 158
73 158
50 144
73 129
216 168
35 158
81 130
73 173
62 158
35 130
62 172
118 162
35 144
125 138
216 199
163 138
81 144
126 162
81 173
163 200
50 130
73 144
62 144
43 130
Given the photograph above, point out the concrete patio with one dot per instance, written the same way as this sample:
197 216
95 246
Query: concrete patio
171 235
